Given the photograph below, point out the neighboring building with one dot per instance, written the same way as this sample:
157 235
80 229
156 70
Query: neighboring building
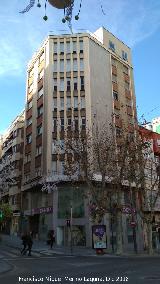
71 80
11 169
152 183
154 125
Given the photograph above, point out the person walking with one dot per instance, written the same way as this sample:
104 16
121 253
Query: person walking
29 243
51 236
24 243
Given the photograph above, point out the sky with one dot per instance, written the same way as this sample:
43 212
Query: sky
135 22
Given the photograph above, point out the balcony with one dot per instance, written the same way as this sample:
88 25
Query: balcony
39 140
29 113
116 104
114 70
128 94
40 101
30 96
115 87
27 167
129 111
29 129
39 119
118 122
41 66
126 78
38 161
40 84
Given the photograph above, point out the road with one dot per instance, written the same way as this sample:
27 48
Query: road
63 269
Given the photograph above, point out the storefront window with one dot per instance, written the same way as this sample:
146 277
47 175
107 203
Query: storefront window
68 197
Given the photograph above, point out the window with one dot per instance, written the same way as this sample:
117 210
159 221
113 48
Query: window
54 167
118 132
68 84
125 69
114 78
29 139
54 125
54 146
61 103
74 45
55 48
81 46
113 61
30 88
27 158
75 66
55 84
41 58
75 83
38 150
67 47
41 74
69 123
68 65
61 47
38 172
83 125
61 85
82 83
29 105
55 65
62 167
76 124
40 93
61 145
124 55
115 96
82 102
75 102
31 73
29 121
40 111
127 86
81 65
61 65
62 124
39 130
54 103
68 102
111 45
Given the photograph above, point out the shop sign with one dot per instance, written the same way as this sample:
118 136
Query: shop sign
16 214
128 210
36 211
99 236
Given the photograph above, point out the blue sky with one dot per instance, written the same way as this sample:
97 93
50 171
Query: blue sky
137 23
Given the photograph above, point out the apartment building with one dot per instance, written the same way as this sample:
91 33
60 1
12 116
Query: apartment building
11 170
72 81
152 182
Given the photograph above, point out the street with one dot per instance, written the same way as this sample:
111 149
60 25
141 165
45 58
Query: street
43 268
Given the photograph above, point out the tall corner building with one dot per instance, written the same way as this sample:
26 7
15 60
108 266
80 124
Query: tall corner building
71 80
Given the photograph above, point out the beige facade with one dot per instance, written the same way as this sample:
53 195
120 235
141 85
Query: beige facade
72 81
11 168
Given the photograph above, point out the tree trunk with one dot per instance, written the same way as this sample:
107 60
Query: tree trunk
149 237
119 244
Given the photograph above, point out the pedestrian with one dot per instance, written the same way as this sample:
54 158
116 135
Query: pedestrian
24 243
29 243
51 237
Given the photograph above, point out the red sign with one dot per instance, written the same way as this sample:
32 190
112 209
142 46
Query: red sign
133 224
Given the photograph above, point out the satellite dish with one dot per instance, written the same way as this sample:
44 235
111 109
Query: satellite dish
60 4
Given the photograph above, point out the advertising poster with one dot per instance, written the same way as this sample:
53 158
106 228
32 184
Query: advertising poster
99 236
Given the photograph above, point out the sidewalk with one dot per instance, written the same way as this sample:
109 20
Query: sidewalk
41 246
